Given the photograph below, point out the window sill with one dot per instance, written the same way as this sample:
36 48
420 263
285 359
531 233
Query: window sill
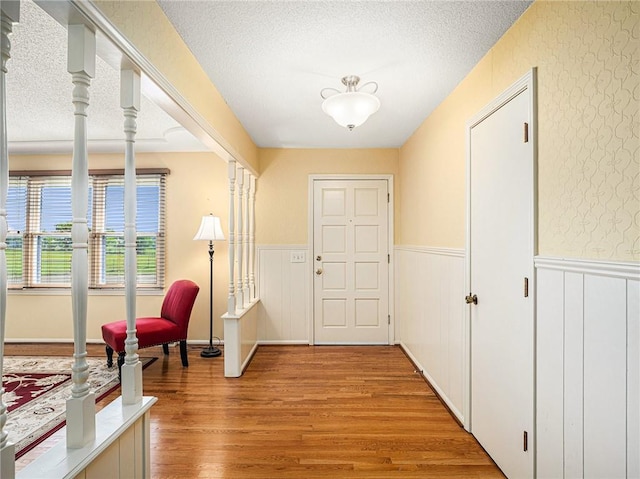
92 292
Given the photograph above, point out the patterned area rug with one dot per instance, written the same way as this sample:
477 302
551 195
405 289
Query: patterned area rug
36 390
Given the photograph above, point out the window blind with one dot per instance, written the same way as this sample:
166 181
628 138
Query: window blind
107 238
17 225
40 219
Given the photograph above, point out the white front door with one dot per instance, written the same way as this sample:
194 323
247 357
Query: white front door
351 261
501 267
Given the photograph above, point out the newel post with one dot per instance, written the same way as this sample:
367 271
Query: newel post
81 409
9 14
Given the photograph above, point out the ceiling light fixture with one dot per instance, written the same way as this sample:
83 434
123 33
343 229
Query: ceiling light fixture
353 107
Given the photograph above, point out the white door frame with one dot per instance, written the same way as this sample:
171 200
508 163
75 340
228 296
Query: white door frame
525 83
390 229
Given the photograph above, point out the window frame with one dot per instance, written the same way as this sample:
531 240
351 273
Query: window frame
32 272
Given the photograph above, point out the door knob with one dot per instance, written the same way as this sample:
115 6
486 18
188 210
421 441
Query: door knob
319 271
471 299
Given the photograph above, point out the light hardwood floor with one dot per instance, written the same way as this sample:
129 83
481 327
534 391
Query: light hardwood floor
298 412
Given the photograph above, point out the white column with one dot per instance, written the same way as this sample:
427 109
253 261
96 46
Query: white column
252 239
245 241
240 242
9 13
81 410
231 300
132 368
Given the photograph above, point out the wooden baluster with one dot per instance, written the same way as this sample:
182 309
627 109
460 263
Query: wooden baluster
252 239
231 301
240 242
9 14
132 368
245 242
81 426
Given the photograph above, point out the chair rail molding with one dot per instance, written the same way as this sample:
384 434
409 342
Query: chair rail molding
615 269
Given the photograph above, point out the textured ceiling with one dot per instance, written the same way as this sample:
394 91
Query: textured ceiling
39 109
270 59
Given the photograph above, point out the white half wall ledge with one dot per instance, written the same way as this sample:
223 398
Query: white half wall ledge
241 339
112 422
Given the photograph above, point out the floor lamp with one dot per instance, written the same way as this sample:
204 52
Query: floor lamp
210 230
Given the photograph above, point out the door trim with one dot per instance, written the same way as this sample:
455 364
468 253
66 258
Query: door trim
391 245
527 82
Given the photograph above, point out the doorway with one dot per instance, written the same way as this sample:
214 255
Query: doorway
350 232
500 277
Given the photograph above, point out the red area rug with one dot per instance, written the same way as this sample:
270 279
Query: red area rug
36 390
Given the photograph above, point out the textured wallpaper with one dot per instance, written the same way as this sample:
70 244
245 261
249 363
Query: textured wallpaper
588 59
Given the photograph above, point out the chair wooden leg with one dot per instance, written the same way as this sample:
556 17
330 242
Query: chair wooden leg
109 350
120 363
165 348
183 353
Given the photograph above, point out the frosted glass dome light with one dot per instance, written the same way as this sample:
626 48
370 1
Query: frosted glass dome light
351 108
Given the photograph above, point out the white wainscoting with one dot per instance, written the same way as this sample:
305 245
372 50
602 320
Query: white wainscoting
588 369
429 316
284 289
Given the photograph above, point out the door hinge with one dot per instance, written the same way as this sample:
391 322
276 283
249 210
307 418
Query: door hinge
526 132
389 258
388 198
526 287
525 442
388 319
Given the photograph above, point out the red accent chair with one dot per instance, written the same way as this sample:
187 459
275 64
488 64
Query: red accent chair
170 327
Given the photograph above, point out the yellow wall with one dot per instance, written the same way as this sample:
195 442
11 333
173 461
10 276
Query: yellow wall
147 27
282 196
587 54
196 186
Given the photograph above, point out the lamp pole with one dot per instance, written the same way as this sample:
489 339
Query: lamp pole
211 351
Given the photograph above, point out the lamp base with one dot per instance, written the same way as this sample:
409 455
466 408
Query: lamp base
210 352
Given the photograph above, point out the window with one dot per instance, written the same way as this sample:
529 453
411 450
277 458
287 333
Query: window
39 243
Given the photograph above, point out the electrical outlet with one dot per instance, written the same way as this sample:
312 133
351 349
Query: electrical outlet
298 257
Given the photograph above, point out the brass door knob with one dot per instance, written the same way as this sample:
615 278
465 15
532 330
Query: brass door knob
319 271
471 299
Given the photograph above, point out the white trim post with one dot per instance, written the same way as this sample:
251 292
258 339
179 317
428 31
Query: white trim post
131 372
240 242
231 300
245 243
9 14
81 409
252 239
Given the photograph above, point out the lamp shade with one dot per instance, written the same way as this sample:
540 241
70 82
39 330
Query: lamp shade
210 229
351 109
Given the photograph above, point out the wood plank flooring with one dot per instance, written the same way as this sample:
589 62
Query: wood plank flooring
298 412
